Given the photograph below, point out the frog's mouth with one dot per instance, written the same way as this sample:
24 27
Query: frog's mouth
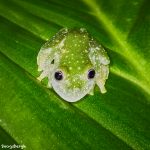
72 94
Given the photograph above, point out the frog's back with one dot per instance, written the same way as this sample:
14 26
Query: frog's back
75 50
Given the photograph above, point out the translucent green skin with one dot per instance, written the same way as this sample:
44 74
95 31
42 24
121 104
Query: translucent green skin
73 52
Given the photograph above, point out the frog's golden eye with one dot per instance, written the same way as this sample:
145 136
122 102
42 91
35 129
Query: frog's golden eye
58 75
91 74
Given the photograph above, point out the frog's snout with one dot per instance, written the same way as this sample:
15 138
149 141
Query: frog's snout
76 83
72 90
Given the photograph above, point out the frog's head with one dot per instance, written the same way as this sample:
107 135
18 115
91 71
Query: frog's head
72 85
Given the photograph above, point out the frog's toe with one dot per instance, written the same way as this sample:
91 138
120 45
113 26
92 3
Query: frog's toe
102 87
103 90
42 76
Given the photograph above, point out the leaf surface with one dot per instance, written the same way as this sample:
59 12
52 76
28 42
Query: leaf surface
35 116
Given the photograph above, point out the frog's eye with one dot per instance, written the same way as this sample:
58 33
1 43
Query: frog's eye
91 73
58 75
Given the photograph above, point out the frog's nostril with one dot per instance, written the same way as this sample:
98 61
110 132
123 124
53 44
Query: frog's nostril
52 62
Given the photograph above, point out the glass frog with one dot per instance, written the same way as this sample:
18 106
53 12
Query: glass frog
74 63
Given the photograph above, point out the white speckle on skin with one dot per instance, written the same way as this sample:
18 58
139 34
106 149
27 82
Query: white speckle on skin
79 68
70 68
86 51
82 29
97 48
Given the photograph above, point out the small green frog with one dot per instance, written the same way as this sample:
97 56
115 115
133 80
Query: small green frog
73 62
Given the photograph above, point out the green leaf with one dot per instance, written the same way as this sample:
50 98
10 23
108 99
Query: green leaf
35 116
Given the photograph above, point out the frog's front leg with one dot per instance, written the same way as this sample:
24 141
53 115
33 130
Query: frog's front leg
44 61
49 55
100 61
